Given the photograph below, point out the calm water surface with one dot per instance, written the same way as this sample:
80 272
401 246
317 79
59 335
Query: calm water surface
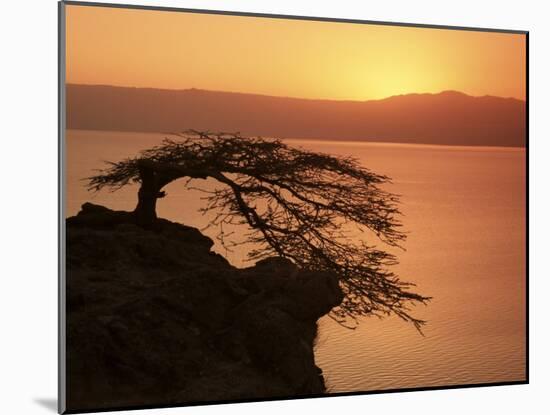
464 209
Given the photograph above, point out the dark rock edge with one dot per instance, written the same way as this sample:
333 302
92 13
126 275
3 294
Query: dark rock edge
155 318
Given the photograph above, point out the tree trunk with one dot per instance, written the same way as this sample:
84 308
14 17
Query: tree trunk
149 192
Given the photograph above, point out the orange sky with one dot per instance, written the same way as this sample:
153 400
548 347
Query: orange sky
286 57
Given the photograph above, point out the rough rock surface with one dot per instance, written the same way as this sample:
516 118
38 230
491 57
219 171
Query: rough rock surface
156 318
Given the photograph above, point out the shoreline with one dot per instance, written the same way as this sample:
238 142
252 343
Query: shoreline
399 144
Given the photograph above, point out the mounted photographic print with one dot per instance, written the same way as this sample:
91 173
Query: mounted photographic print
258 207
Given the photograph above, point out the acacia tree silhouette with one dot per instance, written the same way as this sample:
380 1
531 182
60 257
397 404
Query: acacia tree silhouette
298 205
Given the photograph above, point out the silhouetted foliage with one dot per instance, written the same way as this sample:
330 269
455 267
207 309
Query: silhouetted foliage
298 205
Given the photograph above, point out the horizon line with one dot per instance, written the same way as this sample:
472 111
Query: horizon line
334 140
299 98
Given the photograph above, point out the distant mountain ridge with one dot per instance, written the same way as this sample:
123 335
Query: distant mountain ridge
449 117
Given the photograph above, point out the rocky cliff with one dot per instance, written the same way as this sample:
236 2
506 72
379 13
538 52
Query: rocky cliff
156 318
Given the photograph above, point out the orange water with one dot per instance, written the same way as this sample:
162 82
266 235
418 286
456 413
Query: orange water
464 209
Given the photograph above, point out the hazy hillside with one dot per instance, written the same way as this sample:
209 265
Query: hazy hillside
445 118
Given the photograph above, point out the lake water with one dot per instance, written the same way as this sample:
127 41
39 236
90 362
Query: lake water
464 210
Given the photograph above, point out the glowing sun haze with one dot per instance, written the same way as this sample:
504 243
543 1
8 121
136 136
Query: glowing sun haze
174 50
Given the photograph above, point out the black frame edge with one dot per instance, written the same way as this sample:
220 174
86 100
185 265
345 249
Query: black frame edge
61 305
290 17
291 398
527 190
